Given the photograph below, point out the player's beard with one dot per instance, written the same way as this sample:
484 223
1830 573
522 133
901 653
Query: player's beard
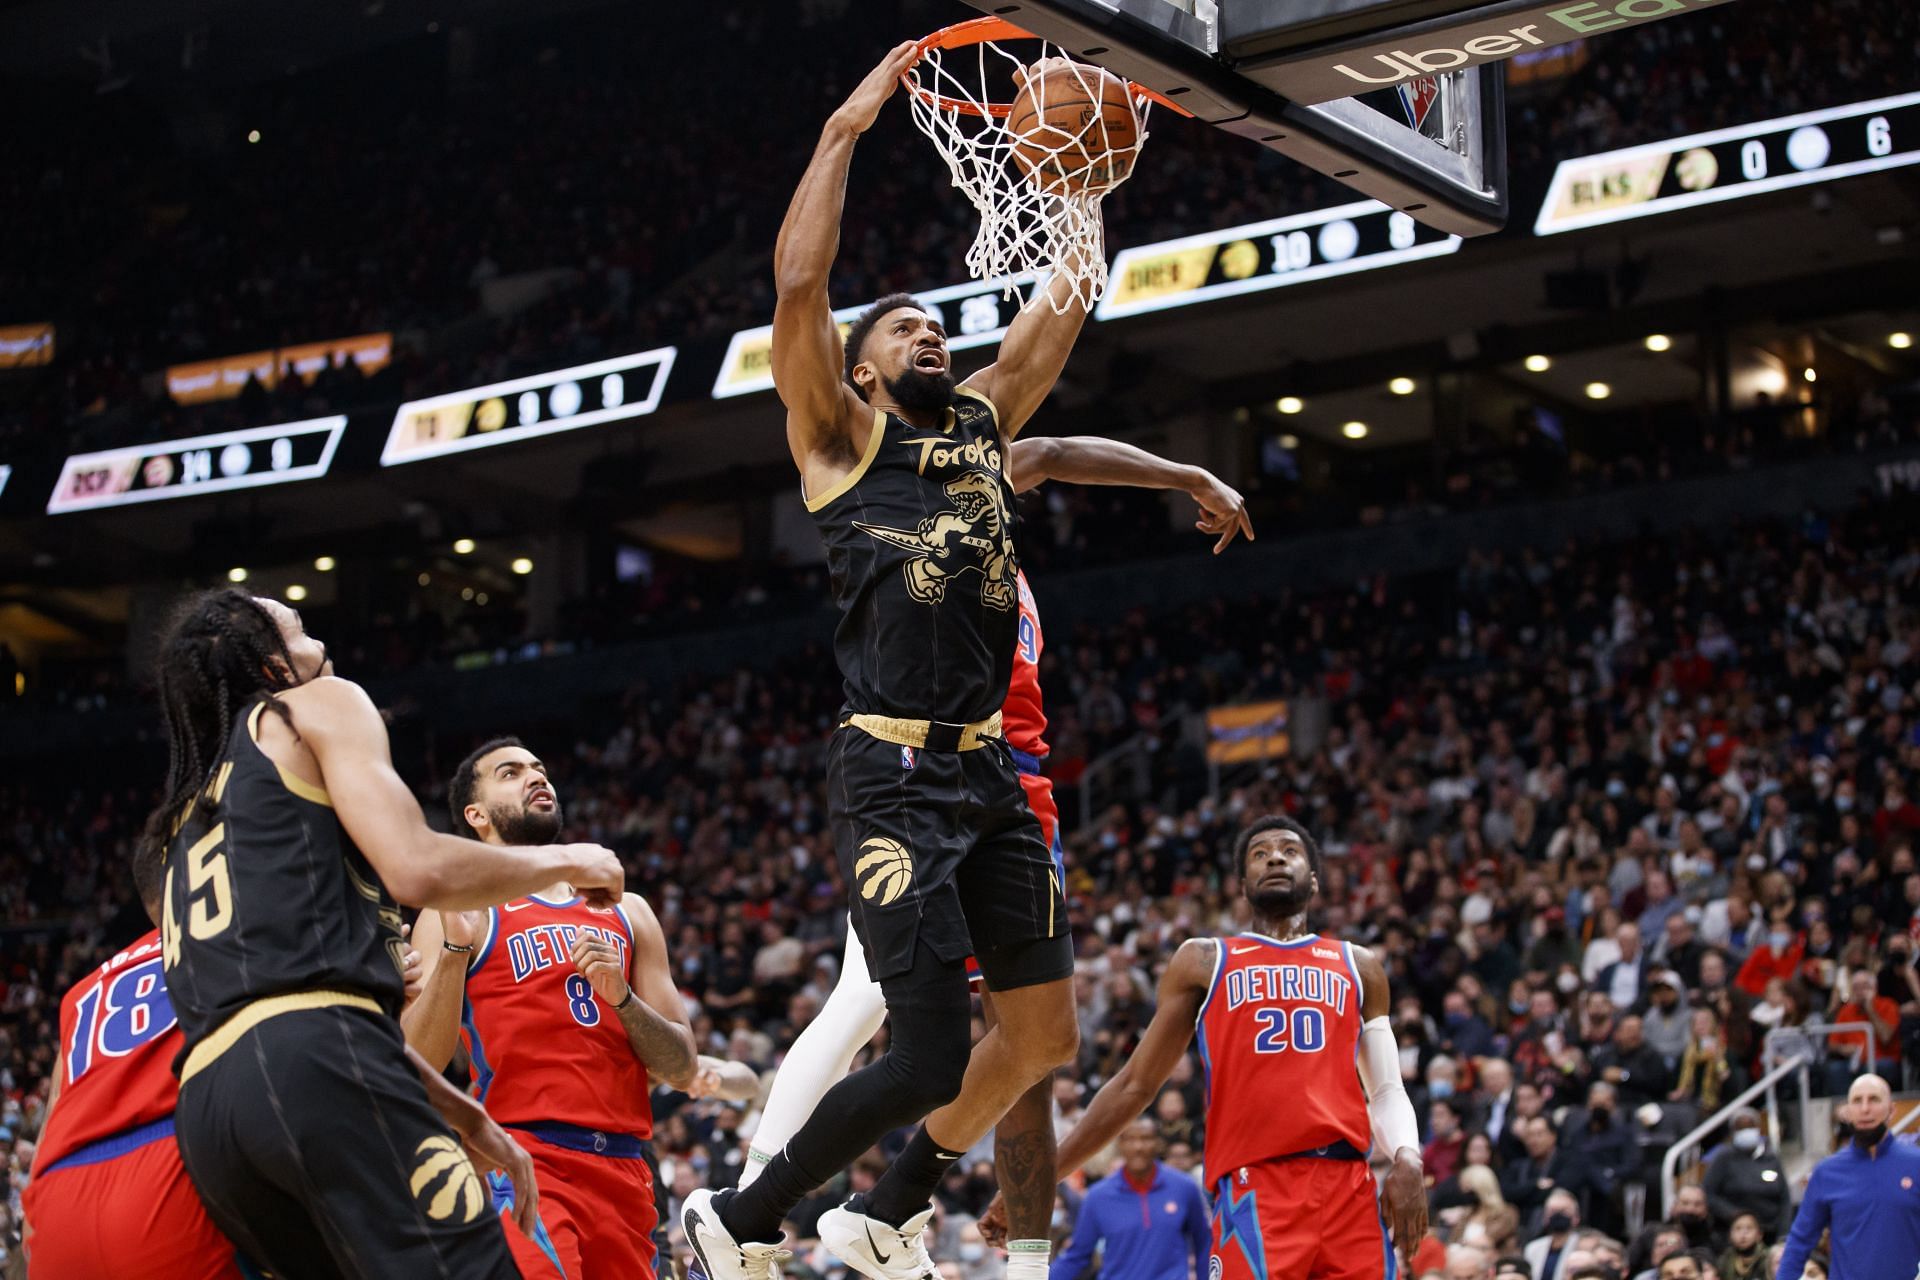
1282 904
922 392
526 826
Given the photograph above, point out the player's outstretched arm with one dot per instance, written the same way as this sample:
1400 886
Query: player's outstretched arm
1122 1099
822 410
421 867
1095 460
1395 1131
720 1078
645 998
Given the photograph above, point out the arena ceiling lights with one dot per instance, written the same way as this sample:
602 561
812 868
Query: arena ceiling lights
202 464
1731 164
524 408
1348 238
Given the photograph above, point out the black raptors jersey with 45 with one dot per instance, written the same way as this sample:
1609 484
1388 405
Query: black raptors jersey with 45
268 895
920 544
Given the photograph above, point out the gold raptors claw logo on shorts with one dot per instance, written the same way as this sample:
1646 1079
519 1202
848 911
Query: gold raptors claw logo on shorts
445 1171
971 538
883 870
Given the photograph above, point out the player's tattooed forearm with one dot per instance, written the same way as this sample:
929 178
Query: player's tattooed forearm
661 1048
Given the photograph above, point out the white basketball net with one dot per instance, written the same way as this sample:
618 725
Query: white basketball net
1027 233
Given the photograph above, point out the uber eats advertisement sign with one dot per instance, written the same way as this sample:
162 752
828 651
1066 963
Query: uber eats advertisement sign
1263 38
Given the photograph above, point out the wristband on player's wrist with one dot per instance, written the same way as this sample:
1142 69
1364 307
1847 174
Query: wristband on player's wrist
456 948
625 1000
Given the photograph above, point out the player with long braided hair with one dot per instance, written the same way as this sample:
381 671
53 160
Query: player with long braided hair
321 1144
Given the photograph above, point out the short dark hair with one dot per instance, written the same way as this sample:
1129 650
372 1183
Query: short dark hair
1275 822
466 779
863 325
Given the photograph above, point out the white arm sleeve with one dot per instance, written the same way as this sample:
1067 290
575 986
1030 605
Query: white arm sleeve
1394 1128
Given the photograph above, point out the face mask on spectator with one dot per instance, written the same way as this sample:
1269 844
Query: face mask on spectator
1616 788
1568 983
1779 939
1559 1223
1844 803
1746 1140
1519 1006
972 1252
1440 1088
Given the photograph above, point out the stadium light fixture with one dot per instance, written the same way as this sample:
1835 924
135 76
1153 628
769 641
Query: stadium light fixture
1401 386
522 566
1538 364
1354 430
1289 404
481 598
424 579
1289 441
1598 391
1900 341
323 564
296 592
1659 342
236 574
466 593
253 135
1809 374
463 546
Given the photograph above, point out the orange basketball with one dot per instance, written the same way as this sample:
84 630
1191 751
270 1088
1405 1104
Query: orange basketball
1075 130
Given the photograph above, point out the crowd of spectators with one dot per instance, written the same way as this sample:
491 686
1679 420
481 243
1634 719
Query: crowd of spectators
1614 816
369 206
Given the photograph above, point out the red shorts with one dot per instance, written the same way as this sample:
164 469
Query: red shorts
597 1214
1300 1219
133 1217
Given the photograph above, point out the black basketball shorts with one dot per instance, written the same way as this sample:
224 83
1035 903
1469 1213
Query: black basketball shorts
941 847
314 1146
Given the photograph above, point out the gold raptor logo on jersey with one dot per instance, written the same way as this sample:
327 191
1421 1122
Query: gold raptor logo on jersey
444 1170
973 537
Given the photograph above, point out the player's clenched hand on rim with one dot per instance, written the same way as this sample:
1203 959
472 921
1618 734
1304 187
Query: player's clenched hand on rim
1403 1201
599 963
862 107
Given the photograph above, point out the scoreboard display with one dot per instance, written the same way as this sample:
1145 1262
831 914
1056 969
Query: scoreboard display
1348 238
203 464
525 408
974 314
1731 164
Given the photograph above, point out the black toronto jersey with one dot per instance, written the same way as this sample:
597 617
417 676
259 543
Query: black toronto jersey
920 545
268 895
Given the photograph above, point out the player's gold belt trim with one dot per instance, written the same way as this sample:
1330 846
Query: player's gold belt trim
228 1033
917 733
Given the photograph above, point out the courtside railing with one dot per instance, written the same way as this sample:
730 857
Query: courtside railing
1688 1147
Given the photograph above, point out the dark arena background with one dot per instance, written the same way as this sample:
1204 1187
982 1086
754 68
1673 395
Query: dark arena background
1581 625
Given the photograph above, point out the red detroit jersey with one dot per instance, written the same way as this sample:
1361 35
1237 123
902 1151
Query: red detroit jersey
545 1048
1023 721
118 1038
1279 1033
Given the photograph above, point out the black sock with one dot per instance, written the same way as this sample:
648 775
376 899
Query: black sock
754 1215
907 1185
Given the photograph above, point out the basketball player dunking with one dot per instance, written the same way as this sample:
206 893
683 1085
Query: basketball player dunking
1023 1140
320 1143
1281 1013
905 475
568 1011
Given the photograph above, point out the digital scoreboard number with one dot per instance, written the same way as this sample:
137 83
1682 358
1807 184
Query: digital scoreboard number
204 464
1349 238
1731 164
524 408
